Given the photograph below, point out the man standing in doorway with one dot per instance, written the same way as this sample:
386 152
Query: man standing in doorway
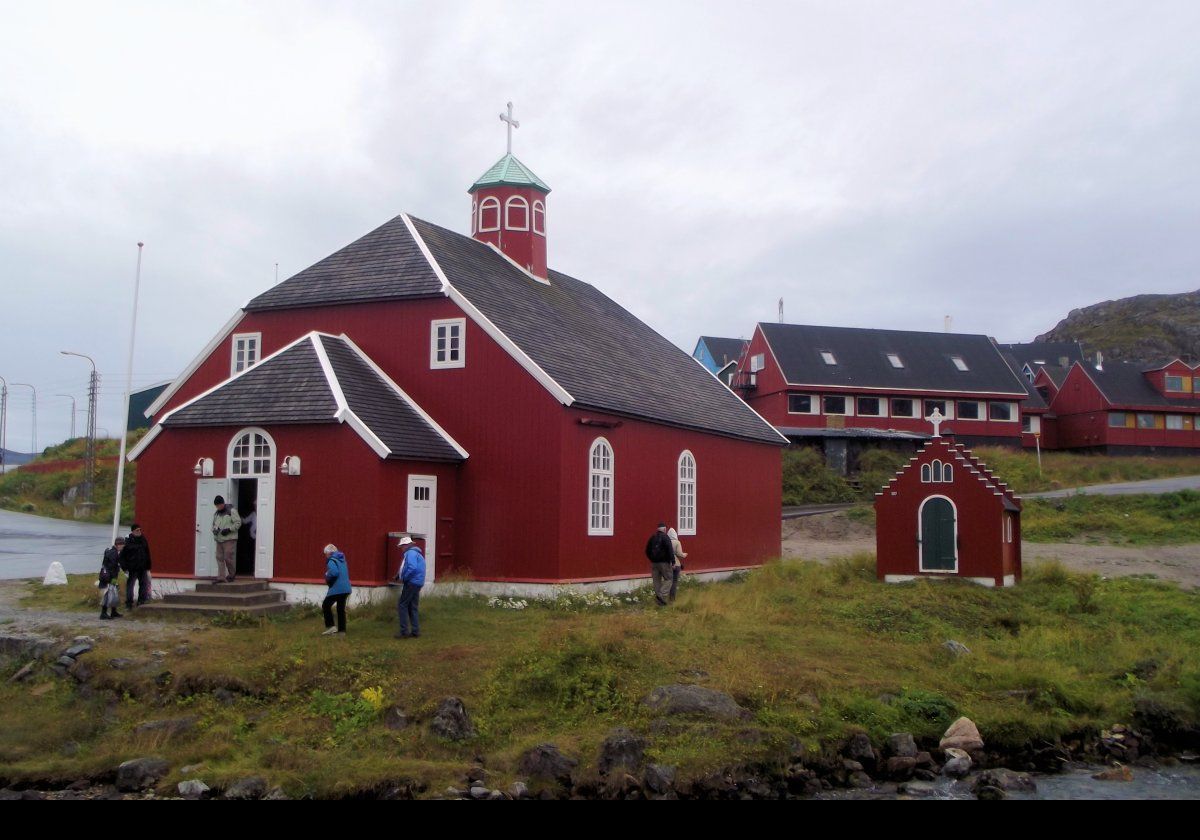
225 525
661 555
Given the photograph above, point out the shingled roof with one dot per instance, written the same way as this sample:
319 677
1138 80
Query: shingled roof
861 357
294 386
724 350
1125 385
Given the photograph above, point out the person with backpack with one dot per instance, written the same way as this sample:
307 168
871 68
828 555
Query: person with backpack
661 555
412 576
337 578
110 571
135 560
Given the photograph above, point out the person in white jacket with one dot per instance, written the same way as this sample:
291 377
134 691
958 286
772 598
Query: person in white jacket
677 566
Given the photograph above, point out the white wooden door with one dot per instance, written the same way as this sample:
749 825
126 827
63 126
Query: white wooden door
264 544
207 489
422 516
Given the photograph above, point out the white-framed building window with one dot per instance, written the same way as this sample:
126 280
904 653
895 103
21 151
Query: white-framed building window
895 361
971 410
1175 422
828 358
489 214
686 520
1004 411
1175 383
600 489
838 405
448 343
251 453
1031 424
802 404
926 474
904 407
474 217
247 350
516 213
757 362
539 218
944 406
871 407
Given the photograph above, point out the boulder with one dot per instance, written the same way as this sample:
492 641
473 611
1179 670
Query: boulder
251 787
859 749
902 744
621 750
518 790
1005 780
480 792
659 779
956 649
962 735
988 793
193 789
694 700
451 721
900 768
958 763
32 646
77 650
546 762
141 773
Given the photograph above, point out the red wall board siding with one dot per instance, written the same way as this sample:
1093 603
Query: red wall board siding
738 498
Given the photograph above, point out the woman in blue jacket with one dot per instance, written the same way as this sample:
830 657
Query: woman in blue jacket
337 578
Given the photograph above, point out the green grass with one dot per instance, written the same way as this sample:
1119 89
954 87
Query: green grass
43 493
814 652
1060 470
1167 519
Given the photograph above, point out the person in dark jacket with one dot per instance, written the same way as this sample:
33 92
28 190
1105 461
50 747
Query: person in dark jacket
337 578
661 555
110 570
412 576
135 560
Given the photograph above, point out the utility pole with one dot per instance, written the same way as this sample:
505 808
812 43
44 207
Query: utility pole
89 457
137 284
72 399
3 424
34 435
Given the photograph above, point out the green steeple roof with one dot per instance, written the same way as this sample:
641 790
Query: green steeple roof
509 172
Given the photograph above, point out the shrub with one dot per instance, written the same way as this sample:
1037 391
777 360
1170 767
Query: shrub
807 480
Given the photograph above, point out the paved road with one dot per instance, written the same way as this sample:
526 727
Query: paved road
29 544
797 511
1131 488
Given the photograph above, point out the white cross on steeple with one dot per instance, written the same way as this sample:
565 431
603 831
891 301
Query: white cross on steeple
936 419
508 118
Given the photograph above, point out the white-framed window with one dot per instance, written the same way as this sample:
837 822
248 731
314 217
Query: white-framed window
1175 422
1117 420
516 213
871 407
838 405
801 404
489 214
926 474
904 407
948 473
539 218
1008 528
686 521
251 453
247 350
828 358
600 489
448 343
895 361
474 217
944 406
1145 421
1175 383
757 362
959 363
1031 424
971 410
1003 411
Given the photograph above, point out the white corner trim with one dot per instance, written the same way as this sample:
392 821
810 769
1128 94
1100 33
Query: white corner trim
533 368
330 377
544 281
720 382
425 252
183 377
146 440
424 415
354 422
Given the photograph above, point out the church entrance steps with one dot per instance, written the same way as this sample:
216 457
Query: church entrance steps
246 597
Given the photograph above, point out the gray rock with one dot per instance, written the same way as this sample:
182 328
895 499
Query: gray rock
851 766
33 795
141 773
921 789
962 735
251 787
860 780
621 750
121 664
956 649
988 793
859 749
902 744
170 726
193 789
159 654
496 795
694 700
958 763
7 795
480 792
395 718
451 721
518 790
25 673
1005 780
546 762
35 647
276 794
900 768
65 661
77 650
659 779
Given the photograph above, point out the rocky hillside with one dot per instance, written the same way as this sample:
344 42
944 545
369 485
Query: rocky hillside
1144 328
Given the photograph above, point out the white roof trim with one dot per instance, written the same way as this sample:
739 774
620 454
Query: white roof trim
183 377
778 433
404 396
146 440
533 368
545 281
364 431
343 407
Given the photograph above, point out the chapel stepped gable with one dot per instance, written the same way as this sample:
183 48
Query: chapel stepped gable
963 458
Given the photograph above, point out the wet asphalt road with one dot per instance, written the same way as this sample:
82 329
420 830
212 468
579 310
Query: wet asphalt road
29 544
1129 488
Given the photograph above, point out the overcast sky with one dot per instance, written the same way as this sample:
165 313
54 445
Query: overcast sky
874 164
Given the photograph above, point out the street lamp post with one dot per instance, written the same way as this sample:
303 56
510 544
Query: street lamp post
72 399
89 469
31 388
3 424
137 283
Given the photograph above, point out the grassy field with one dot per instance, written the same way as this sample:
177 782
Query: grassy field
43 493
813 652
1167 519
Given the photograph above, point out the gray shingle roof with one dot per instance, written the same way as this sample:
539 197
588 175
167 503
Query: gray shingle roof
1040 353
724 350
1034 400
861 356
601 354
1125 384
384 264
292 387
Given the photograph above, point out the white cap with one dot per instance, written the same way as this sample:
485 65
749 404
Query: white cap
405 540
330 549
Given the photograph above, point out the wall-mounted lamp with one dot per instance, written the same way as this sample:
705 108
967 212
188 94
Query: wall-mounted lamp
204 467
290 465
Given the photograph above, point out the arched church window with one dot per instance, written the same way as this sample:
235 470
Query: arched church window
539 218
516 214
489 214
251 454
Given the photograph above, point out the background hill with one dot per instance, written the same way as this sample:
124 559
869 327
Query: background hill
16 459
1144 328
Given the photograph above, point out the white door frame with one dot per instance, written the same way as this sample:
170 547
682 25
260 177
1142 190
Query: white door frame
264 546
430 533
205 547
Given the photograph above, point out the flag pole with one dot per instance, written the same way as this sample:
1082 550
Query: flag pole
137 283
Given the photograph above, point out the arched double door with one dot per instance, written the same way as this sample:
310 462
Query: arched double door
938 535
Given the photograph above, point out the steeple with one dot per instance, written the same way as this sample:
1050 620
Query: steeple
508 209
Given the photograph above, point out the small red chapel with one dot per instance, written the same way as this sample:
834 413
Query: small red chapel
945 514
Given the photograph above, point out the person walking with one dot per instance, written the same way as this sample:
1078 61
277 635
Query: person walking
337 578
135 560
110 571
412 576
225 524
662 558
678 554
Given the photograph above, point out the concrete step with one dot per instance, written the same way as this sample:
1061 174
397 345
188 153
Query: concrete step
159 609
239 585
227 599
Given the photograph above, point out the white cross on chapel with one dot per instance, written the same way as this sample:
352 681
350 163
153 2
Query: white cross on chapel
936 419
508 118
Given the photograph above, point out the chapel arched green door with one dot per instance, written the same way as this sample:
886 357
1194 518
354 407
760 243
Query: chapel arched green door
938 536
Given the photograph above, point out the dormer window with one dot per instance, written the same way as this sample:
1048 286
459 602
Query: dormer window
246 352
959 363
539 218
895 361
489 214
516 213
828 357
1177 383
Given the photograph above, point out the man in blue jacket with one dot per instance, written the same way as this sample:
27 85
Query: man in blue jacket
412 576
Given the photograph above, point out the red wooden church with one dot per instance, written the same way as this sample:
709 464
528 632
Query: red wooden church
452 385
946 514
